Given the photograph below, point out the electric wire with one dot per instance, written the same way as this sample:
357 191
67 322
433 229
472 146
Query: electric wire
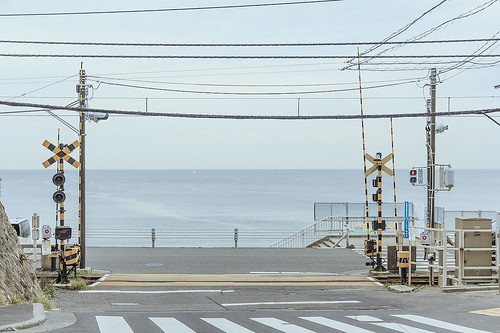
129 56
252 117
252 93
74 43
46 86
135 11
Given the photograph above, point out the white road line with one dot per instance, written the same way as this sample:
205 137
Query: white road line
296 273
281 325
226 325
376 282
112 324
340 326
290 303
99 281
402 328
170 325
440 324
364 318
154 291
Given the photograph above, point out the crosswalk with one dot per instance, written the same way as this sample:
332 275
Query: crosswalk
301 324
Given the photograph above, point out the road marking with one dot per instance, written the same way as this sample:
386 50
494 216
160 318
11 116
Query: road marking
155 291
99 281
290 303
111 324
226 325
340 326
364 318
440 324
375 281
488 312
402 328
207 280
296 273
170 325
281 325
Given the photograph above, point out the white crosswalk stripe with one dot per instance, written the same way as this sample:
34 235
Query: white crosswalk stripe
282 326
226 325
171 325
340 326
439 323
109 324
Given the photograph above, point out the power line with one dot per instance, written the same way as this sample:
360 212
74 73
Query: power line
253 117
252 93
135 11
123 56
99 78
442 41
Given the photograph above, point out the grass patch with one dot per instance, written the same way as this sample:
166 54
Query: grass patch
78 284
46 302
14 299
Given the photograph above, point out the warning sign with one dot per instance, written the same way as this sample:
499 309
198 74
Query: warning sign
424 238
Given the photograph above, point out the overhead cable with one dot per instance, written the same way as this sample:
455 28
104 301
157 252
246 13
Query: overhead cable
129 56
441 41
135 11
252 93
253 117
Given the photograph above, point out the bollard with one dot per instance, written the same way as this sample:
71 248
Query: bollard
235 238
403 263
153 237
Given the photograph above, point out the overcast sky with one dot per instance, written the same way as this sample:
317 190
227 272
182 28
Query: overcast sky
128 142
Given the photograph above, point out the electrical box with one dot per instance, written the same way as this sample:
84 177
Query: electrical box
475 238
446 178
22 227
63 233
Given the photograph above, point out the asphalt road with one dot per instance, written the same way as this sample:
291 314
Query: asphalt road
152 296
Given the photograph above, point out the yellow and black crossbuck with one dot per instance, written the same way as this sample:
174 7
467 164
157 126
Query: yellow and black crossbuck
61 153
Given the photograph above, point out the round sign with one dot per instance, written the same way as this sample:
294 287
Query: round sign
424 237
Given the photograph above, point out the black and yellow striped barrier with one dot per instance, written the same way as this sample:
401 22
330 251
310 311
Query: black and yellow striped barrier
70 255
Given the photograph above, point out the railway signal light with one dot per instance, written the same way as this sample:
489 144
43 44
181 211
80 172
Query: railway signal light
413 176
58 179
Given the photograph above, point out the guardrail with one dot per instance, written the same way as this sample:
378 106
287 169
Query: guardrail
332 226
162 237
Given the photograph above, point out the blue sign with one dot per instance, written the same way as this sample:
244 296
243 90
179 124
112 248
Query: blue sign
406 228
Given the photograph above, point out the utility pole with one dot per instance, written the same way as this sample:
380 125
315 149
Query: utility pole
431 166
82 97
431 152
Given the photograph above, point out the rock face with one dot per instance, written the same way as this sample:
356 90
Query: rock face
18 282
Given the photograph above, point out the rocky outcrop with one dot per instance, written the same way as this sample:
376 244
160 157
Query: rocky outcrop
18 282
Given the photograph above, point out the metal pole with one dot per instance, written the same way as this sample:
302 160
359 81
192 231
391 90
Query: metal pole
378 158
431 167
82 96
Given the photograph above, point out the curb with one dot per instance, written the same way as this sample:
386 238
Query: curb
39 318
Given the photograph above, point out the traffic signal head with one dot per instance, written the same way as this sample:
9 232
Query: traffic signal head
59 197
58 179
413 176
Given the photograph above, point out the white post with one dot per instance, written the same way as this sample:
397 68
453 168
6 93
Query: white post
444 240
34 236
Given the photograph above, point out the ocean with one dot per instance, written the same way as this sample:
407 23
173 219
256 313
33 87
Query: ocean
200 208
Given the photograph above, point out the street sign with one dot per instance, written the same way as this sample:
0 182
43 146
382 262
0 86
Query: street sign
61 154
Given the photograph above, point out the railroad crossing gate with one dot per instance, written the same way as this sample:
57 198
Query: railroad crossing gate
61 154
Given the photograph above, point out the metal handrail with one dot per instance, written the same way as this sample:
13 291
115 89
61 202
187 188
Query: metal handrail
328 226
